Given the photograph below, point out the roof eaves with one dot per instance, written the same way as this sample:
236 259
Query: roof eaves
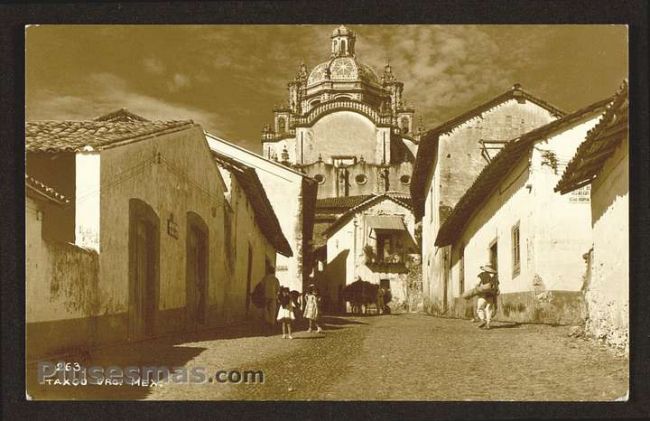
42 191
514 93
499 167
589 158
138 138
253 154
421 169
265 216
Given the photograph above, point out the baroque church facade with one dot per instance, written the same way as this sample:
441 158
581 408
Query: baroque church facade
345 126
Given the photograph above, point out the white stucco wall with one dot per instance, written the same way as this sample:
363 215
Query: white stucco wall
509 204
245 233
562 232
608 293
60 279
555 229
342 243
457 162
194 184
283 188
87 206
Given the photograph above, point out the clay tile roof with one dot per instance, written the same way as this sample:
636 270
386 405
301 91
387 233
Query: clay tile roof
265 216
70 136
120 115
599 144
38 189
340 204
493 173
429 140
402 199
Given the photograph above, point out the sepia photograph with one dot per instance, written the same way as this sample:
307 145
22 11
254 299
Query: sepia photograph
327 212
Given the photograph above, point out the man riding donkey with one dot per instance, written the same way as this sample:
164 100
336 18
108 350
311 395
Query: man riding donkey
487 289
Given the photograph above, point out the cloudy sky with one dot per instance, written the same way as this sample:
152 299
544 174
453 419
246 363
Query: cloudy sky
229 77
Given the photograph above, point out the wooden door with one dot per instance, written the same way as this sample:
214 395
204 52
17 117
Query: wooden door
144 239
143 292
197 277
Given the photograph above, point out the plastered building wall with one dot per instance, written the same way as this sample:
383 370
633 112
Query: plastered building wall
554 235
458 162
607 294
346 257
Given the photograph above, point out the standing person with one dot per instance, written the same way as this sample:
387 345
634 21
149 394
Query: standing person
271 288
380 300
312 312
285 314
295 298
488 289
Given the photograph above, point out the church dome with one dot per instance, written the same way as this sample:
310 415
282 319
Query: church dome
342 69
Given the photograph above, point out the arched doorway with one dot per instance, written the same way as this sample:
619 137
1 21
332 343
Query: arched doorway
144 269
196 286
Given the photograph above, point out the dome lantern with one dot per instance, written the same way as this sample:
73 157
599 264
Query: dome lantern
343 42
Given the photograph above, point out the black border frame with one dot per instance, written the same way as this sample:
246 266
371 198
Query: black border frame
14 16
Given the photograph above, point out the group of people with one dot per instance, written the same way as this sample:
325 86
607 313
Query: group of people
305 305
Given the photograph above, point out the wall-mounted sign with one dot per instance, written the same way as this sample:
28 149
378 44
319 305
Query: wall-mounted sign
581 195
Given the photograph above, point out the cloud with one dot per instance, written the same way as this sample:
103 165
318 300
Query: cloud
444 68
109 93
178 82
153 65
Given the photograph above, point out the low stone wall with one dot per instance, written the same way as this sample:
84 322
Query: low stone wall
549 307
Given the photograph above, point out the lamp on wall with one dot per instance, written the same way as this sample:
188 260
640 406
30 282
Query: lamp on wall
172 226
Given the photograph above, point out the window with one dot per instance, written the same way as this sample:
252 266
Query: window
494 258
404 123
405 179
320 178
516 255
461 268
361 179
384 247
282 125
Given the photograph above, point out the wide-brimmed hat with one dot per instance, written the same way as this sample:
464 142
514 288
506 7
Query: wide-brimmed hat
488 268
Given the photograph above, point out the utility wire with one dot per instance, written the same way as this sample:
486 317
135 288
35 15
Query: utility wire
132 172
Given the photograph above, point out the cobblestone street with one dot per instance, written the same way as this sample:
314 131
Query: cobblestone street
397 357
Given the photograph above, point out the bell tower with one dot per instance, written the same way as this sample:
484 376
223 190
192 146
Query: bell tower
343 42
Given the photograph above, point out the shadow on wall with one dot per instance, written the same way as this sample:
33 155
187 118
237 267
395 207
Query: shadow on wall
333 280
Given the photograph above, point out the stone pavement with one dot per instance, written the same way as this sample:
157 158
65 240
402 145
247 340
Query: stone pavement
394 357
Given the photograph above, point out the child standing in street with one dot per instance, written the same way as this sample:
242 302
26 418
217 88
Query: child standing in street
312 311
285 314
